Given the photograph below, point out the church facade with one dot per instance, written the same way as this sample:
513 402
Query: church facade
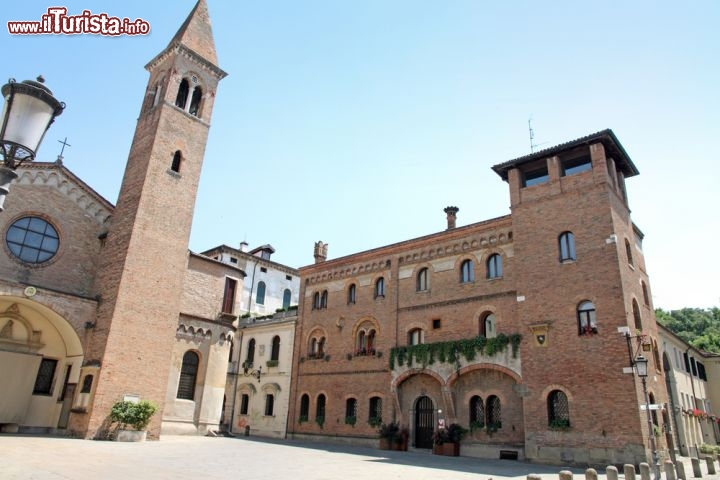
85 307
517 328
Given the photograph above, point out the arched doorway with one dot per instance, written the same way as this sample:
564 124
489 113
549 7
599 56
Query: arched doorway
424 422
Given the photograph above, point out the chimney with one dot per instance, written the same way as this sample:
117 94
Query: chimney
320 252
451 216
244 246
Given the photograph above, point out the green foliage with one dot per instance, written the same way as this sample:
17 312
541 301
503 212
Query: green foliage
135 414
560 424
425 354
699 327
375 422
709 449
271 363
351 420
302 418
391 431
476 425
320 420
454 433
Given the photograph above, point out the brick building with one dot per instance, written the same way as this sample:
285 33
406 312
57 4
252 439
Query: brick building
102 302
513 326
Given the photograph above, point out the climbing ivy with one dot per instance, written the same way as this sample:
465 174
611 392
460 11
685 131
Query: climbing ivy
425 354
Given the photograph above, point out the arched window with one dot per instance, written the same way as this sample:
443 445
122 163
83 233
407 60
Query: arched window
230 354
316 301
324 299
250 357
487 325
351 294
628 252
195 102
646 295
422 280
269 404
587 322
636 315
493 419
320 408
415 336
275 350
287 297
365 344
380 288
375 410
653 413
87 384
558 409
176 161
467 271
304 407
351 411
494 266
244 404
260 297
317 347
158 93
182 95
188 376
477 412
567 247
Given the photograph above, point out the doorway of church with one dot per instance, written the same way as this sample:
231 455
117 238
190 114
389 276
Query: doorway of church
424 422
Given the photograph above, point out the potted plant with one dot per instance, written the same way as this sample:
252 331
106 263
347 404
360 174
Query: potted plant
388 432
446 441
134 414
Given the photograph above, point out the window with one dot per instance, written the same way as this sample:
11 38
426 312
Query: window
228 305
324 299
365 341
175 165
380 288
587 323
158 93
350 410
351 293
244 404
188 376
45 376
436 323
558 409
422 280
494 266
230 353
269 404
375 410
636 315
535 177
646 295
250 356
195 102
275 350
260 297
493 418
467 271
87 384
304 407
316 301
567 247
320 408
576 165
233 260
317 347
487 325
628 252
287 297
415 336
288 277
32 240
477 412
182 94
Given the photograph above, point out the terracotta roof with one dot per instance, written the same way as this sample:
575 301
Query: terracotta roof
606 137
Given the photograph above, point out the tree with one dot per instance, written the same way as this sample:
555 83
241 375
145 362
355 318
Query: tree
699 327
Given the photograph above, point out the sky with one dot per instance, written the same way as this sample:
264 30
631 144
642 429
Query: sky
356 122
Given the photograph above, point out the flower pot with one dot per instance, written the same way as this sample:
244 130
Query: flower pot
131 435
448 449
384 444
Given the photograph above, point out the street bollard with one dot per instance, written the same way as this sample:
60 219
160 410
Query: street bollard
710 465
629 471
680 467
566 475
697 473
669 470
591 474
533 476
644 471
611 472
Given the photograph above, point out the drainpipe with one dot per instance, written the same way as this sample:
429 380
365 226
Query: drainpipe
692 385
252 287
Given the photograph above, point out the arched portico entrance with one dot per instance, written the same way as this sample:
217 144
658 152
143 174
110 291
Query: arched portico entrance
424 422
40 360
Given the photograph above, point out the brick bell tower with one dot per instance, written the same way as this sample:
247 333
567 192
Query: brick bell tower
146 252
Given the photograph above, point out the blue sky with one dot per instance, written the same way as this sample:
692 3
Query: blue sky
357 122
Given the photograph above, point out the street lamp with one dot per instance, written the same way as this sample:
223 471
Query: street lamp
641 368
249 372
28 112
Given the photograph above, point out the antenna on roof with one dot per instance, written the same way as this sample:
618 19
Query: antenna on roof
532 136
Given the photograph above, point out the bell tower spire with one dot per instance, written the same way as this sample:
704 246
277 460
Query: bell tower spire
145 257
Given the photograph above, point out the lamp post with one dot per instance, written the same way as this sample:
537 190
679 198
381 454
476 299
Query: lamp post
641 368
249 372
28 112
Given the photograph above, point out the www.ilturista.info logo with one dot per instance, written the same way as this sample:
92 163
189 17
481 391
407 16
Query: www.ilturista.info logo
56 21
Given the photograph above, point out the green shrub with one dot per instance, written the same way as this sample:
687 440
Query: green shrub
135 414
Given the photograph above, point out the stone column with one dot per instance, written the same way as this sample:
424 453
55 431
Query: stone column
612 472
629 471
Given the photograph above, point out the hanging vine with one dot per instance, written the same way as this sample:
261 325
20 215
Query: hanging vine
451 351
